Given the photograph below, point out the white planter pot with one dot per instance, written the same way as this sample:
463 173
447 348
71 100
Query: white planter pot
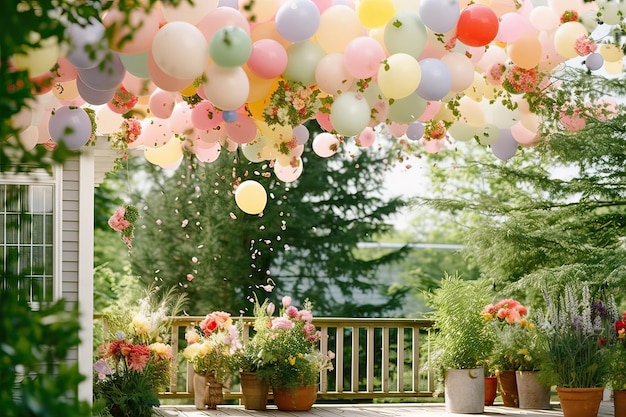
465 391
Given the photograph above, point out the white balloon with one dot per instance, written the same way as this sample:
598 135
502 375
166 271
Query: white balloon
180 50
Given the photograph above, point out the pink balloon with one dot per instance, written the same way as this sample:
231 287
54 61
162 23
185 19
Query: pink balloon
144 27
138 86
162 103
324 121
65 72
180 120
206 152
363 56
522 135
397 129
220 17
268 58
434 145
432 107
205 117
366 138
243 130
164 81
322 5
512 27
155 132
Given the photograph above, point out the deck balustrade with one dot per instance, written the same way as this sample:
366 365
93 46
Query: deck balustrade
375 358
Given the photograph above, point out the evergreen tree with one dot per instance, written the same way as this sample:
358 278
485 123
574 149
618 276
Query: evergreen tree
193 235
556 212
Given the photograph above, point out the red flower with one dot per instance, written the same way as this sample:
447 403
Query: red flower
138 357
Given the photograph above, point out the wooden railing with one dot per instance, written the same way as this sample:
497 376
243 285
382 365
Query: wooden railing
375 358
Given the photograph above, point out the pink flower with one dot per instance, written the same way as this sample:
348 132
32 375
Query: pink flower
584 46
495 74
189 277
305 315
282 323
291 312
117 221
286 301
271 308
138 357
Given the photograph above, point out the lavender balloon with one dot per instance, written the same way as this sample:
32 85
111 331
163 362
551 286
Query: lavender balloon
506 145
91 96
440 16
436 79
297 20
415 131
109 74
71 126
88 45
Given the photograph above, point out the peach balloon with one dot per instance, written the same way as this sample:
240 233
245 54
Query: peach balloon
339 25
525 52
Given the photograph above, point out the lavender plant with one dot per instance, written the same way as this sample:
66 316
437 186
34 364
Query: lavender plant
577 327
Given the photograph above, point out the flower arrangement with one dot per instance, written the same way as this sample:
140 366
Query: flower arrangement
520 80
212 345
292 104
123 221
134 360
287 344
519 345
577 327
128 132
616 378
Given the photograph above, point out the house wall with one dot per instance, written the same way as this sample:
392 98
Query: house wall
76 255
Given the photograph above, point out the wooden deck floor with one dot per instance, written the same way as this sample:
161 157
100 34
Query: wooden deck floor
365 410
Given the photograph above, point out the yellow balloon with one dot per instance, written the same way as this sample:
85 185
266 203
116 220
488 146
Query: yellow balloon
38 61
399 75
610 52
375 13
275 133
476 91
251 197
259 87
165 155
614 67
565 38
65 91
189 91
339 24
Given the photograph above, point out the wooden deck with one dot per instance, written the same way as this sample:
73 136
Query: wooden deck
365 410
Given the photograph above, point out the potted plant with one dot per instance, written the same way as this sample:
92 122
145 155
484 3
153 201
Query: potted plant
289 357
134 360
461 341
616 378
517 355
577 326
211 346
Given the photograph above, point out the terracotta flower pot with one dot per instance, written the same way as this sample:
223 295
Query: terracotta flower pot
254 391
580 402
491 389
508 388
619 401
298 399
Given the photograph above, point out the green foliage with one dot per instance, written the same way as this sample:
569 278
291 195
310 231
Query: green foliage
462 339
36 377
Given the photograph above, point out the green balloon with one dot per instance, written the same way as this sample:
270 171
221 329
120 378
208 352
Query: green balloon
405 33
303 58
136 64
407 109
230 47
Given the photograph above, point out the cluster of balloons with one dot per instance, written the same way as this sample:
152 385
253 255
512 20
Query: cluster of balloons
358 67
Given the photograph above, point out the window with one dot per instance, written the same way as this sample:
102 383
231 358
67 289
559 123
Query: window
26 240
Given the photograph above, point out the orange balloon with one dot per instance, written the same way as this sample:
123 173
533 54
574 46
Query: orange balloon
477 26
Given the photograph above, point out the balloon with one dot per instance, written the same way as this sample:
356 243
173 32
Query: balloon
407 109
415 131
136 64
180 120
461 71
106 76
230 46
204 116
251 197
229 116
226 88
375 13
436 79
163 80
242 130
505 147
268 58
477 26
331 75
220 17
167 154
440 16
525 52
594 61
464 132
38 61
180 50
565 37
132 31
161 103
610 52
303 58
189 12
297 20
405 33
512 27
363 56
301 133
489 135
325 145
366 138
288 172
155 132
70 125
108 121
339 25
349 114
65 71
88 45
92 96
543 18
66 91
398 76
